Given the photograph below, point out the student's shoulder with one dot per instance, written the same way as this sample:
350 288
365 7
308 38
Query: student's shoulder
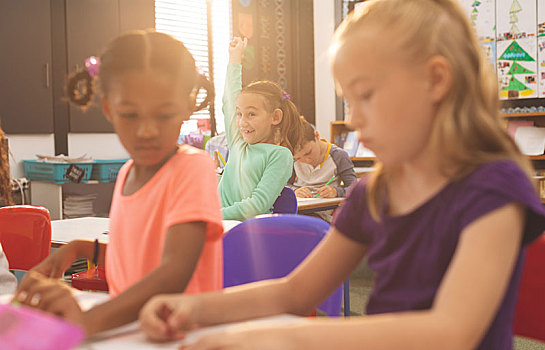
339 154
501 181
497 174
194 156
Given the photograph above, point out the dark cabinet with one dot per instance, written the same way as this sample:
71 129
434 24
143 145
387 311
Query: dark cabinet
41 41
89 27
26 98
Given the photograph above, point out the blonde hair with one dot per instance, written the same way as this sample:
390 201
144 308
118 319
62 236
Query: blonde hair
467 128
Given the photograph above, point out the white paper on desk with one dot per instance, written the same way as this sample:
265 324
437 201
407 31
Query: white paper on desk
531 140
129 337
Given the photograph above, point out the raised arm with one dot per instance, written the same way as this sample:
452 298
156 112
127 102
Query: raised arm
268 189
233 85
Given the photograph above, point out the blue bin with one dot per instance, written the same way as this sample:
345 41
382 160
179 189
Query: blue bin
36 170
105 170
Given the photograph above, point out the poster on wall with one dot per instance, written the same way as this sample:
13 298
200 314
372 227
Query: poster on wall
482 15
541 47
516 49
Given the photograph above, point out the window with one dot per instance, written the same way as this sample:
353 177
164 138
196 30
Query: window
189 21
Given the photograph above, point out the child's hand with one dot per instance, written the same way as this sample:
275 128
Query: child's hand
55 264
236 49
327 192
49 295
303 192
167 317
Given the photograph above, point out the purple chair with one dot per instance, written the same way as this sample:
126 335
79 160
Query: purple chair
286 203
271 246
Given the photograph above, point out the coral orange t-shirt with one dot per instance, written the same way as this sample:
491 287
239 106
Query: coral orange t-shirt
183 190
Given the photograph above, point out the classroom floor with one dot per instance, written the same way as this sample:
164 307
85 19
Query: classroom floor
361 283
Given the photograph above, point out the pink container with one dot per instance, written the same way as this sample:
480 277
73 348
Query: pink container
23 328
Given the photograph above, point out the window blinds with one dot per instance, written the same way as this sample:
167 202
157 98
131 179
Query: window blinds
187 21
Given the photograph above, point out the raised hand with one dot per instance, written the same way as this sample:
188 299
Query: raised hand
236 49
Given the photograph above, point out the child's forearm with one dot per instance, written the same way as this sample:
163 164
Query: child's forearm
124 308
411 330
259 299
86 250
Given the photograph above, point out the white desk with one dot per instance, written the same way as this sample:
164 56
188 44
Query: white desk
91 228
130 337
310 205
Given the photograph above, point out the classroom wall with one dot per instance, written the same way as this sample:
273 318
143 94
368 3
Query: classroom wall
324 27
24 146
98 146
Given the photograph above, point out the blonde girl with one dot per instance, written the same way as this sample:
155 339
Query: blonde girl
443 221
165 220
263 129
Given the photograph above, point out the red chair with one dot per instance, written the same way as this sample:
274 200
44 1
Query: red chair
530 309
25 234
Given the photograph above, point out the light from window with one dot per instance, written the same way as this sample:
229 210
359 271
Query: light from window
186 20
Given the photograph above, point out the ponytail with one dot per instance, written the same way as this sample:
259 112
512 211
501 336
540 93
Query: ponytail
80 88
291 127
204 83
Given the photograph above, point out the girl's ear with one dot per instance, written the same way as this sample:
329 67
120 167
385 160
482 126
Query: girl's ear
440 77
316 135
277 116
106 109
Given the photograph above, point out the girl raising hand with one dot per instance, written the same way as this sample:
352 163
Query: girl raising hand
263 128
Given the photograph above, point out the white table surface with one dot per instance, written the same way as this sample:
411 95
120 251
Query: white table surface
130 337
91 228
317 204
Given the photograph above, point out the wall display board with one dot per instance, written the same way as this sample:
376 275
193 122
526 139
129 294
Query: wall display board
512 33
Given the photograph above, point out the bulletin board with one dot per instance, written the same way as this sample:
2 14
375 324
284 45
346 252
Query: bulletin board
512 34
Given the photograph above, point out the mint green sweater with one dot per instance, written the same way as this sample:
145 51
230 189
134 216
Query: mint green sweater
255 174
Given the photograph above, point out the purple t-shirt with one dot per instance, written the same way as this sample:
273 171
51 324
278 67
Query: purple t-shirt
411 253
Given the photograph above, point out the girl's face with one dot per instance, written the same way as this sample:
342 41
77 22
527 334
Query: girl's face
147 111
391 101
255 123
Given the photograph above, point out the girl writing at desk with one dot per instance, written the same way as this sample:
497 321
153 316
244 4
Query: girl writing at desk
165 219
443 220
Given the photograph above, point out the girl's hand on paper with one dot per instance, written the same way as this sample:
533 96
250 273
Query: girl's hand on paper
244 337
49 295
168 317
303 192
327 192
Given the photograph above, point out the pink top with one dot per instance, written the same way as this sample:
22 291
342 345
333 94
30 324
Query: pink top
183 190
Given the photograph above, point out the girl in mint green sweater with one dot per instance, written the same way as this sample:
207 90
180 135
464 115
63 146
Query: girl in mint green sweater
263 129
